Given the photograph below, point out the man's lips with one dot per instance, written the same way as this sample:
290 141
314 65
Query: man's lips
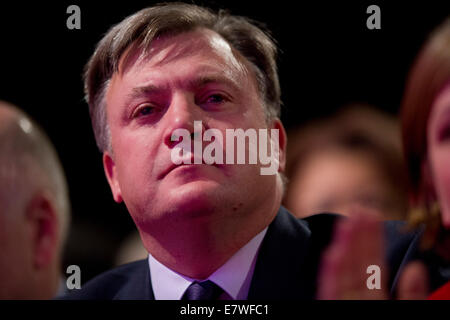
174 166
169 169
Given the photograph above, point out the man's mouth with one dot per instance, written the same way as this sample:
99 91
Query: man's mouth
175 166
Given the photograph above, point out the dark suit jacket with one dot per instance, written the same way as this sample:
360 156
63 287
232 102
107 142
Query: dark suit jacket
286 267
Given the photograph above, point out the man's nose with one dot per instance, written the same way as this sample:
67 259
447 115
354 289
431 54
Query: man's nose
181 114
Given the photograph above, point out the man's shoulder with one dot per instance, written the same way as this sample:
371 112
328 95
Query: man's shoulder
289 255
129 281
316 227
313 223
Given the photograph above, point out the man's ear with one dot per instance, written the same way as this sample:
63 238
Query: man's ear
110 171
282 139
45 232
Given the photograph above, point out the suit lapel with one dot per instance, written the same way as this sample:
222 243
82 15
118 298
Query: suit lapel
281 267
285 269
138 286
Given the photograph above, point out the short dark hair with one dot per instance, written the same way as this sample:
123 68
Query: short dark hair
248 37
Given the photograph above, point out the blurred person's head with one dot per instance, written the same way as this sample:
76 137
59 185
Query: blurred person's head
348 162
34 209
426 131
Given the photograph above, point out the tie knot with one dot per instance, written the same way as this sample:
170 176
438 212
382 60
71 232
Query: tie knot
206 290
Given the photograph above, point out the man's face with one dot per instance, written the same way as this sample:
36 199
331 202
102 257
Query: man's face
194 76
439 151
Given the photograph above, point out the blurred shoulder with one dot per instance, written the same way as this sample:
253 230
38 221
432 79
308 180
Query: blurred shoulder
113 283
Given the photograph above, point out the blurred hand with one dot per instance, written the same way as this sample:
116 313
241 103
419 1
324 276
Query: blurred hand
357 244
413 282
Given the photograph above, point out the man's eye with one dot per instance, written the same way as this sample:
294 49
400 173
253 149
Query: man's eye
215 98
144 110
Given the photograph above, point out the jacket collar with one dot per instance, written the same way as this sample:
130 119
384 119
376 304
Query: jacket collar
281 268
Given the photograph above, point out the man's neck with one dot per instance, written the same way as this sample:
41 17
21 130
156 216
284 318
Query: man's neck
198 247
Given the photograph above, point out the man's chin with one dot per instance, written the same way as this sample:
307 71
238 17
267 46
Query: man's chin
195 195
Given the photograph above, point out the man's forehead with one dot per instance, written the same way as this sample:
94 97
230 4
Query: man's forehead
167 49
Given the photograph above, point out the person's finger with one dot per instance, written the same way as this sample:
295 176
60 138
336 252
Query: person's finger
413 282
357 244
328 280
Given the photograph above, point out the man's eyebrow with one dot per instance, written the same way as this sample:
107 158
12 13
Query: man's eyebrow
203 80
143 91
138 92
199 81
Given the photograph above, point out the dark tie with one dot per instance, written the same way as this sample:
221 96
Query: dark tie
206 290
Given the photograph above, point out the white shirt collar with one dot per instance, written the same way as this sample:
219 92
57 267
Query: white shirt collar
234 277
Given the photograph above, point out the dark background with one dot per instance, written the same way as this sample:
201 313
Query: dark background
328 59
